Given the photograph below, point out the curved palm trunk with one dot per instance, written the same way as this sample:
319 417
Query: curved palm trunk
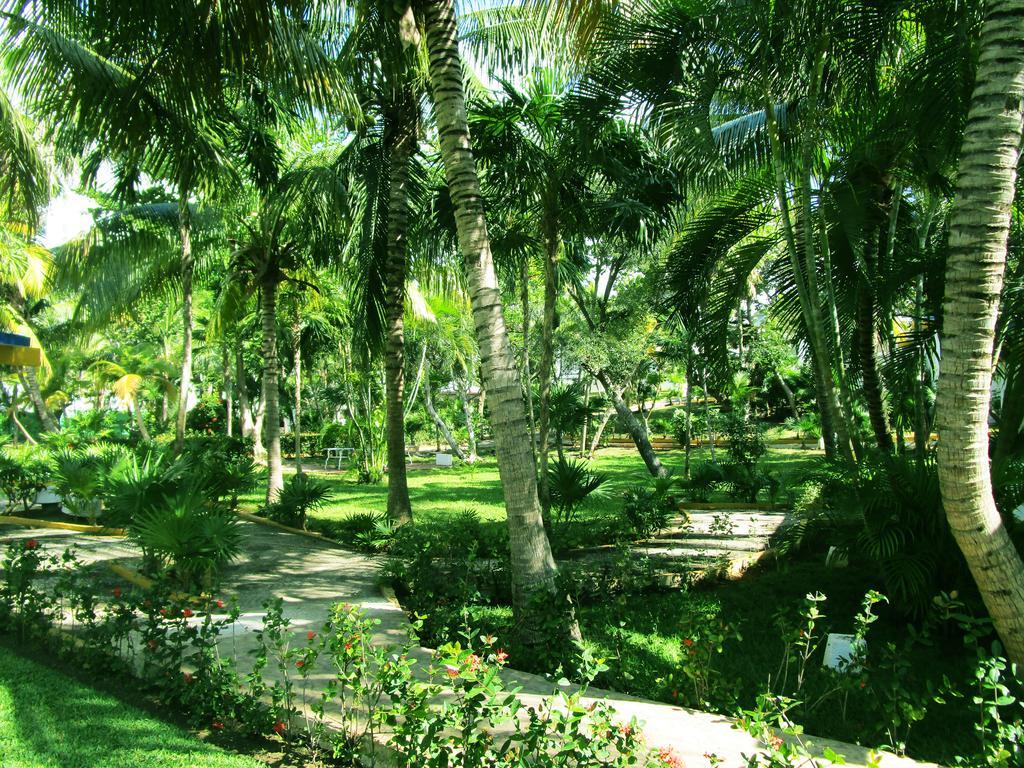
974 279
440 423
30 381
467 415
402 147
533 566
633 425
187 269
271 396
599 432
297 407
547 363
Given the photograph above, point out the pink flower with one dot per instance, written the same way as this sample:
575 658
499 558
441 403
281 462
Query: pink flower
626 730
310 635
451 671
220 603
501 656
187 613
474 662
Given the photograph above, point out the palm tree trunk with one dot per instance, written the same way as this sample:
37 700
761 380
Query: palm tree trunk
547 360
271 396
31 384
259 450
688 412
633 426
467 415
140 422
439 422
402 147
869 370
535 590
524 295
187 269
244 411
974 279
790 397
297 408
229 399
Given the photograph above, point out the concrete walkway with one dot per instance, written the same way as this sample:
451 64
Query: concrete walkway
311 575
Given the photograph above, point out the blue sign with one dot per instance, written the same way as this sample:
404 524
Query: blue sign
14 340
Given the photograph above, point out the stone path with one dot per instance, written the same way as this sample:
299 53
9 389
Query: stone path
714 541
311 575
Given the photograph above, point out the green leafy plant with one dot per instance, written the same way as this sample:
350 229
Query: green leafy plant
24 471
571 482
647 508
301 494
704 478
188 536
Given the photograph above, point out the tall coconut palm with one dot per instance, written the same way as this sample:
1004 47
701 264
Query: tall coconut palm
974 281
533 566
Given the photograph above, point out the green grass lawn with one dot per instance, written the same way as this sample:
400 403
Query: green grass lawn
48 720
439 493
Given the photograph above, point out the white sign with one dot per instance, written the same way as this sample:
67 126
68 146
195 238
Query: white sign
443 459
839 650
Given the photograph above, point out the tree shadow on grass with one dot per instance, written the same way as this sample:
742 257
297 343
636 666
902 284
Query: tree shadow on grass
48 719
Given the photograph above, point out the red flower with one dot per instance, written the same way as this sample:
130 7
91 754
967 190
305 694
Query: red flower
117 592
280 727
151 644
775 742
220 603
163 611
626 730
31 544
669 758
348 646
300 663
187 613
474 662
451 671
187 676
217 725
310 635
501 656
688 642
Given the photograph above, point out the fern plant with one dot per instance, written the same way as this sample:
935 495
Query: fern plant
302 493
571 482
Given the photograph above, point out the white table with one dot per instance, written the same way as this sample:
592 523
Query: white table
338 454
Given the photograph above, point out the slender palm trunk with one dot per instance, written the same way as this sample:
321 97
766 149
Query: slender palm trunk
467 415
974 279
532 564
869 370
229 399
547 361
244 411
297 407
688 415
402 141
1012 415
634 427
439 422
140 421
524 296
271 396
259 450
187 269
30 381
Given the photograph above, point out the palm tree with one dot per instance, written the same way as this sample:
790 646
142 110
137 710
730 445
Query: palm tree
534 584
974 281
128 378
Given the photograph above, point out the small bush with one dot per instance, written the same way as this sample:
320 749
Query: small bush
302 493
704 478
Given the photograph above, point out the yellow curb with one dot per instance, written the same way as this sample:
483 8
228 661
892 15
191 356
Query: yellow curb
144 582
286 528
29 522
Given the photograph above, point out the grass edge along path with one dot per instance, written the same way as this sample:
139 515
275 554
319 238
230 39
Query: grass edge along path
50 720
